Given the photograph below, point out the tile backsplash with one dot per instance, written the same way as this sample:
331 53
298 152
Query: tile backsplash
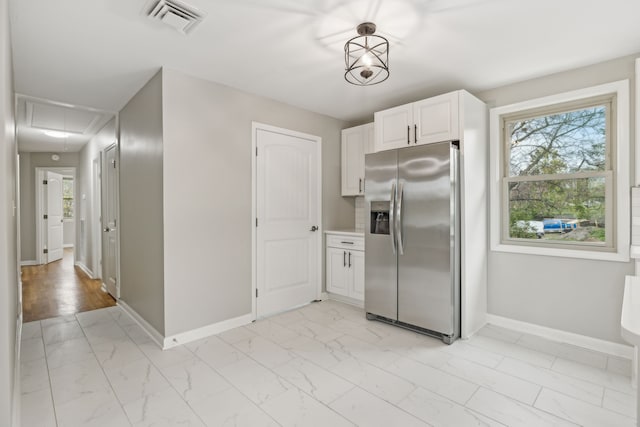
360 214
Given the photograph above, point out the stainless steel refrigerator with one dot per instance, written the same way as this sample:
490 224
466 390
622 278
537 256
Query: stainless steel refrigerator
412 239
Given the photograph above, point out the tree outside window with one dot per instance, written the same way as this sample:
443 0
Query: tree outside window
558 178
67 197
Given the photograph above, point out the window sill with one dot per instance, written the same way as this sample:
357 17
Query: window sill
620 256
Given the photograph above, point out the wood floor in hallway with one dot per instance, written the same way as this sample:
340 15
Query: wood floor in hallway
60 289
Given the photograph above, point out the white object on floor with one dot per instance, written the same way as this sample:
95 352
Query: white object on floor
630 326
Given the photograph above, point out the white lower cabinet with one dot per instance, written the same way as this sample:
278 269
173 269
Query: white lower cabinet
345 265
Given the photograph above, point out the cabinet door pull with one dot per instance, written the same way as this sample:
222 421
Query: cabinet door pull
347 243
415 134
344 258
408 134
359 185
349 259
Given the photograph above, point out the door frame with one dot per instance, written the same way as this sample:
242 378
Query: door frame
96 212
255 126
103 158
39 208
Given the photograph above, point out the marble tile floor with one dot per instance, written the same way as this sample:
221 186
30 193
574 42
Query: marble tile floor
320 365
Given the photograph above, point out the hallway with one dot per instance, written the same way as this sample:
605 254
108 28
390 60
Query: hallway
59 289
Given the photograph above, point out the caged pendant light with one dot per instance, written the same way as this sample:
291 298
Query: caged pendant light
366 57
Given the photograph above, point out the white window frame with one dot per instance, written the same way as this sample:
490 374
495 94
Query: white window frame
621 212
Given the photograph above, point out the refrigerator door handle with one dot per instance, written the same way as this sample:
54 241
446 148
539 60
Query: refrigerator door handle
398 218
392 214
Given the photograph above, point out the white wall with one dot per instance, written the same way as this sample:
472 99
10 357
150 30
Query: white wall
86 217
207 194
10 315
574 295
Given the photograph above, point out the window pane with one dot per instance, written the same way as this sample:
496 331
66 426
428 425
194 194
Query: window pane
558 143
67 208
67 188
564 210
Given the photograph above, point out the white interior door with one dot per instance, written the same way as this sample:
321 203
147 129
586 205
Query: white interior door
288 215
54 217
110 221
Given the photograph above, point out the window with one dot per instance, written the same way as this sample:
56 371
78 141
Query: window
561 174
67 197
557 177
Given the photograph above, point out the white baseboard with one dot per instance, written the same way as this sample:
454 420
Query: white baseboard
67 245
84 268
29 262
596 344
346 300
206 331
184 337
150 330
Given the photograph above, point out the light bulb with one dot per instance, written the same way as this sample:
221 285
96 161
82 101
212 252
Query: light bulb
367 60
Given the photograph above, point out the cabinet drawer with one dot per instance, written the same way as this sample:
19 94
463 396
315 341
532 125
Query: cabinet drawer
345 242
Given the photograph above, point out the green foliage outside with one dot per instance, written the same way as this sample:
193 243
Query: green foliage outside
67 197
558 144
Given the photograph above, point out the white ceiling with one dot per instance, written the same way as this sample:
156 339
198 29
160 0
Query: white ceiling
74 125
98 53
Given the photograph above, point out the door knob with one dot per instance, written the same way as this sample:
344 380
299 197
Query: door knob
106 230
314 228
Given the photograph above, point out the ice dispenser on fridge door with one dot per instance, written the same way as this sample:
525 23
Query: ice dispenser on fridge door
379 216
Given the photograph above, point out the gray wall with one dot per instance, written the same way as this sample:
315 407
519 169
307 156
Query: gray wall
9 295
85 215
28 164
574 295
207 194
69 232
141 206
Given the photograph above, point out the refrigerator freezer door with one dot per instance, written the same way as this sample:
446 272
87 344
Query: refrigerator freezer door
381 274
426 270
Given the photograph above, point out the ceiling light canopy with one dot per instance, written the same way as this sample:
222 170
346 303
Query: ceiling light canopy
366 57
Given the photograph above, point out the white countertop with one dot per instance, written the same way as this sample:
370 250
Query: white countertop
347 232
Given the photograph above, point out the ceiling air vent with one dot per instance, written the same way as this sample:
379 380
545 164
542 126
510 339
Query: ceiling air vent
178 15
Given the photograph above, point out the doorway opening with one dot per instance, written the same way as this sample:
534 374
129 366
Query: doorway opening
58 282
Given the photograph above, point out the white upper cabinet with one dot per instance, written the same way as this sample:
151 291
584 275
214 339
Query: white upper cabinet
356 142
436 119
431 120
393 127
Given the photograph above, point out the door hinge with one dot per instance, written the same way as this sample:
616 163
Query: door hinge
45 216
45 251
256 292
113 162
45 182
256 151
256 222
